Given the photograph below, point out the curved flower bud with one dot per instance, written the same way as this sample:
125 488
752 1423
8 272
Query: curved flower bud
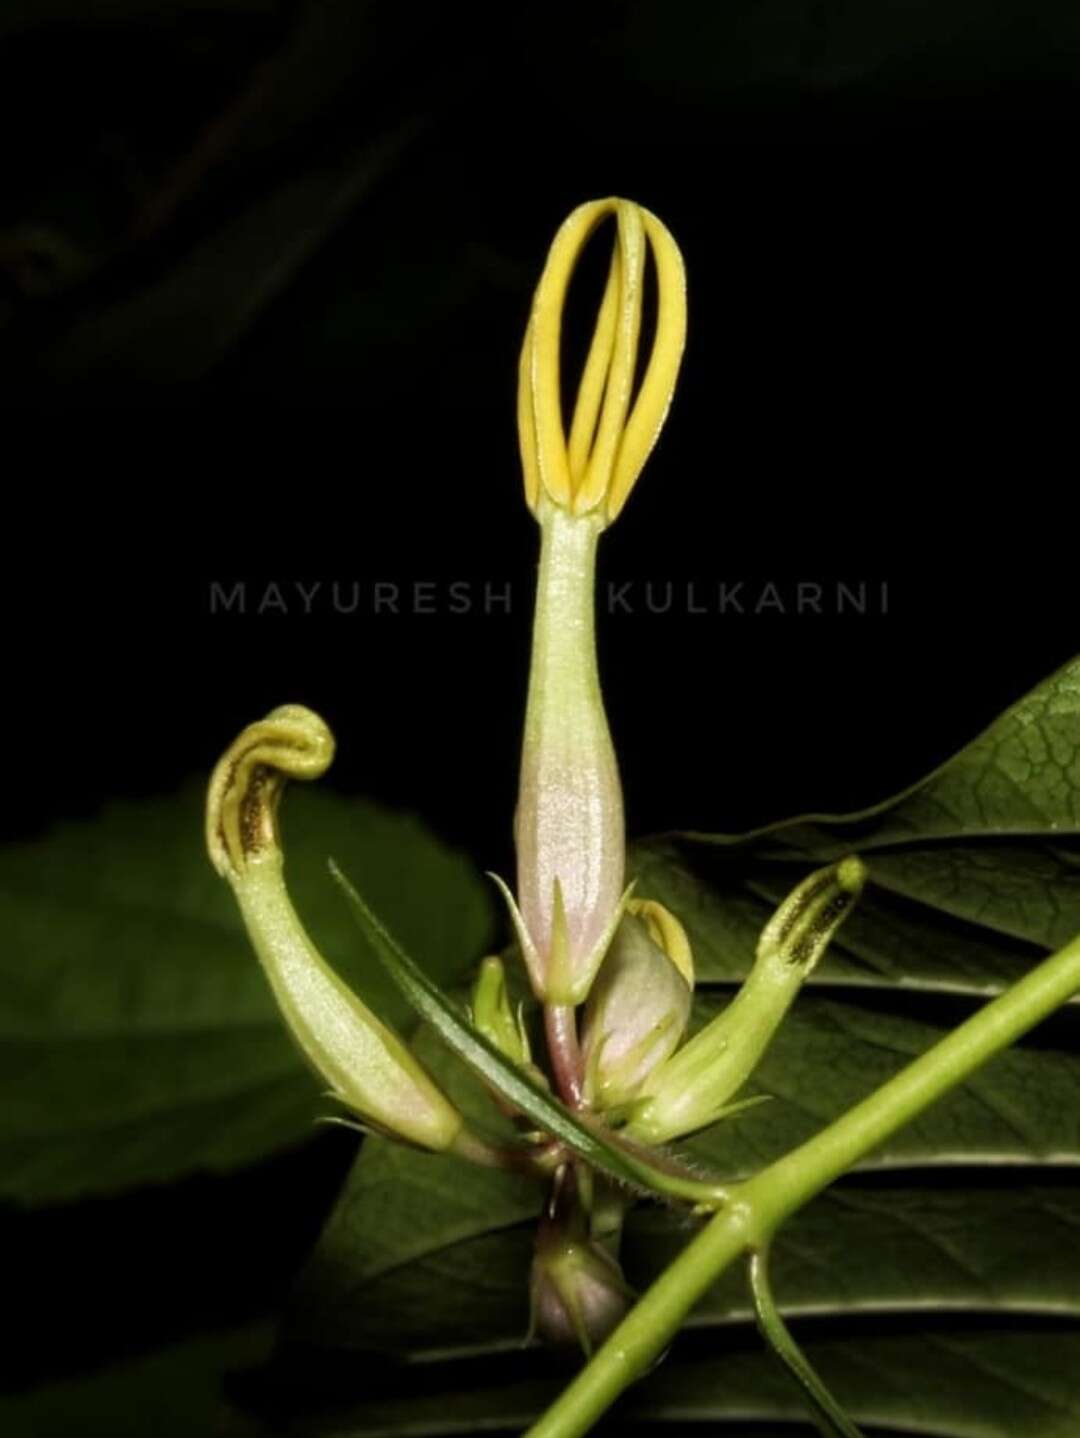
368 1068
610 438
639 1005
578 1294
695 1087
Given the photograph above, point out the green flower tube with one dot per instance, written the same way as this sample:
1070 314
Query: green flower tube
367 1066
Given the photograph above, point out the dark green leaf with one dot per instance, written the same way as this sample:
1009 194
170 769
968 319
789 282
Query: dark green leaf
964 1383
974 873
175 1392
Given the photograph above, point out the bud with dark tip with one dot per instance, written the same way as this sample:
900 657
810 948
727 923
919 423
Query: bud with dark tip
696 1086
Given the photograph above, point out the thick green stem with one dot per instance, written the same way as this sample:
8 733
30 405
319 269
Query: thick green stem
759 1206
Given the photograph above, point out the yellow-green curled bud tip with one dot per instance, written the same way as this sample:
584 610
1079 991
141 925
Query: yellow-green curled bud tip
851 874
610 436
367 1066
241 806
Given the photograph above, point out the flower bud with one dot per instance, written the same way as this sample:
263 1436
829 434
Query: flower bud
493 1015
502 1025
639 1006
369 1069
695 1087
577 1291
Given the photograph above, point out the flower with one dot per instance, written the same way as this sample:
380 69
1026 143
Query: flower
569 829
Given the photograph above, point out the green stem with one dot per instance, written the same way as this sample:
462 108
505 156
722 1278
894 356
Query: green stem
758 1207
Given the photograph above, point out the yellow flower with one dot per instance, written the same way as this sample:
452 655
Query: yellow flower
610 438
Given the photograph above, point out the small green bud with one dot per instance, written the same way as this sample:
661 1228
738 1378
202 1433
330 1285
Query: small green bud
695 1087
639 1006
368 1067
494 1016
577 1290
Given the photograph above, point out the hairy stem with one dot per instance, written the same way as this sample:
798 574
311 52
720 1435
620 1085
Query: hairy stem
757 1207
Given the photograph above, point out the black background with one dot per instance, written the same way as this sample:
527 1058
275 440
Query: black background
876 215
